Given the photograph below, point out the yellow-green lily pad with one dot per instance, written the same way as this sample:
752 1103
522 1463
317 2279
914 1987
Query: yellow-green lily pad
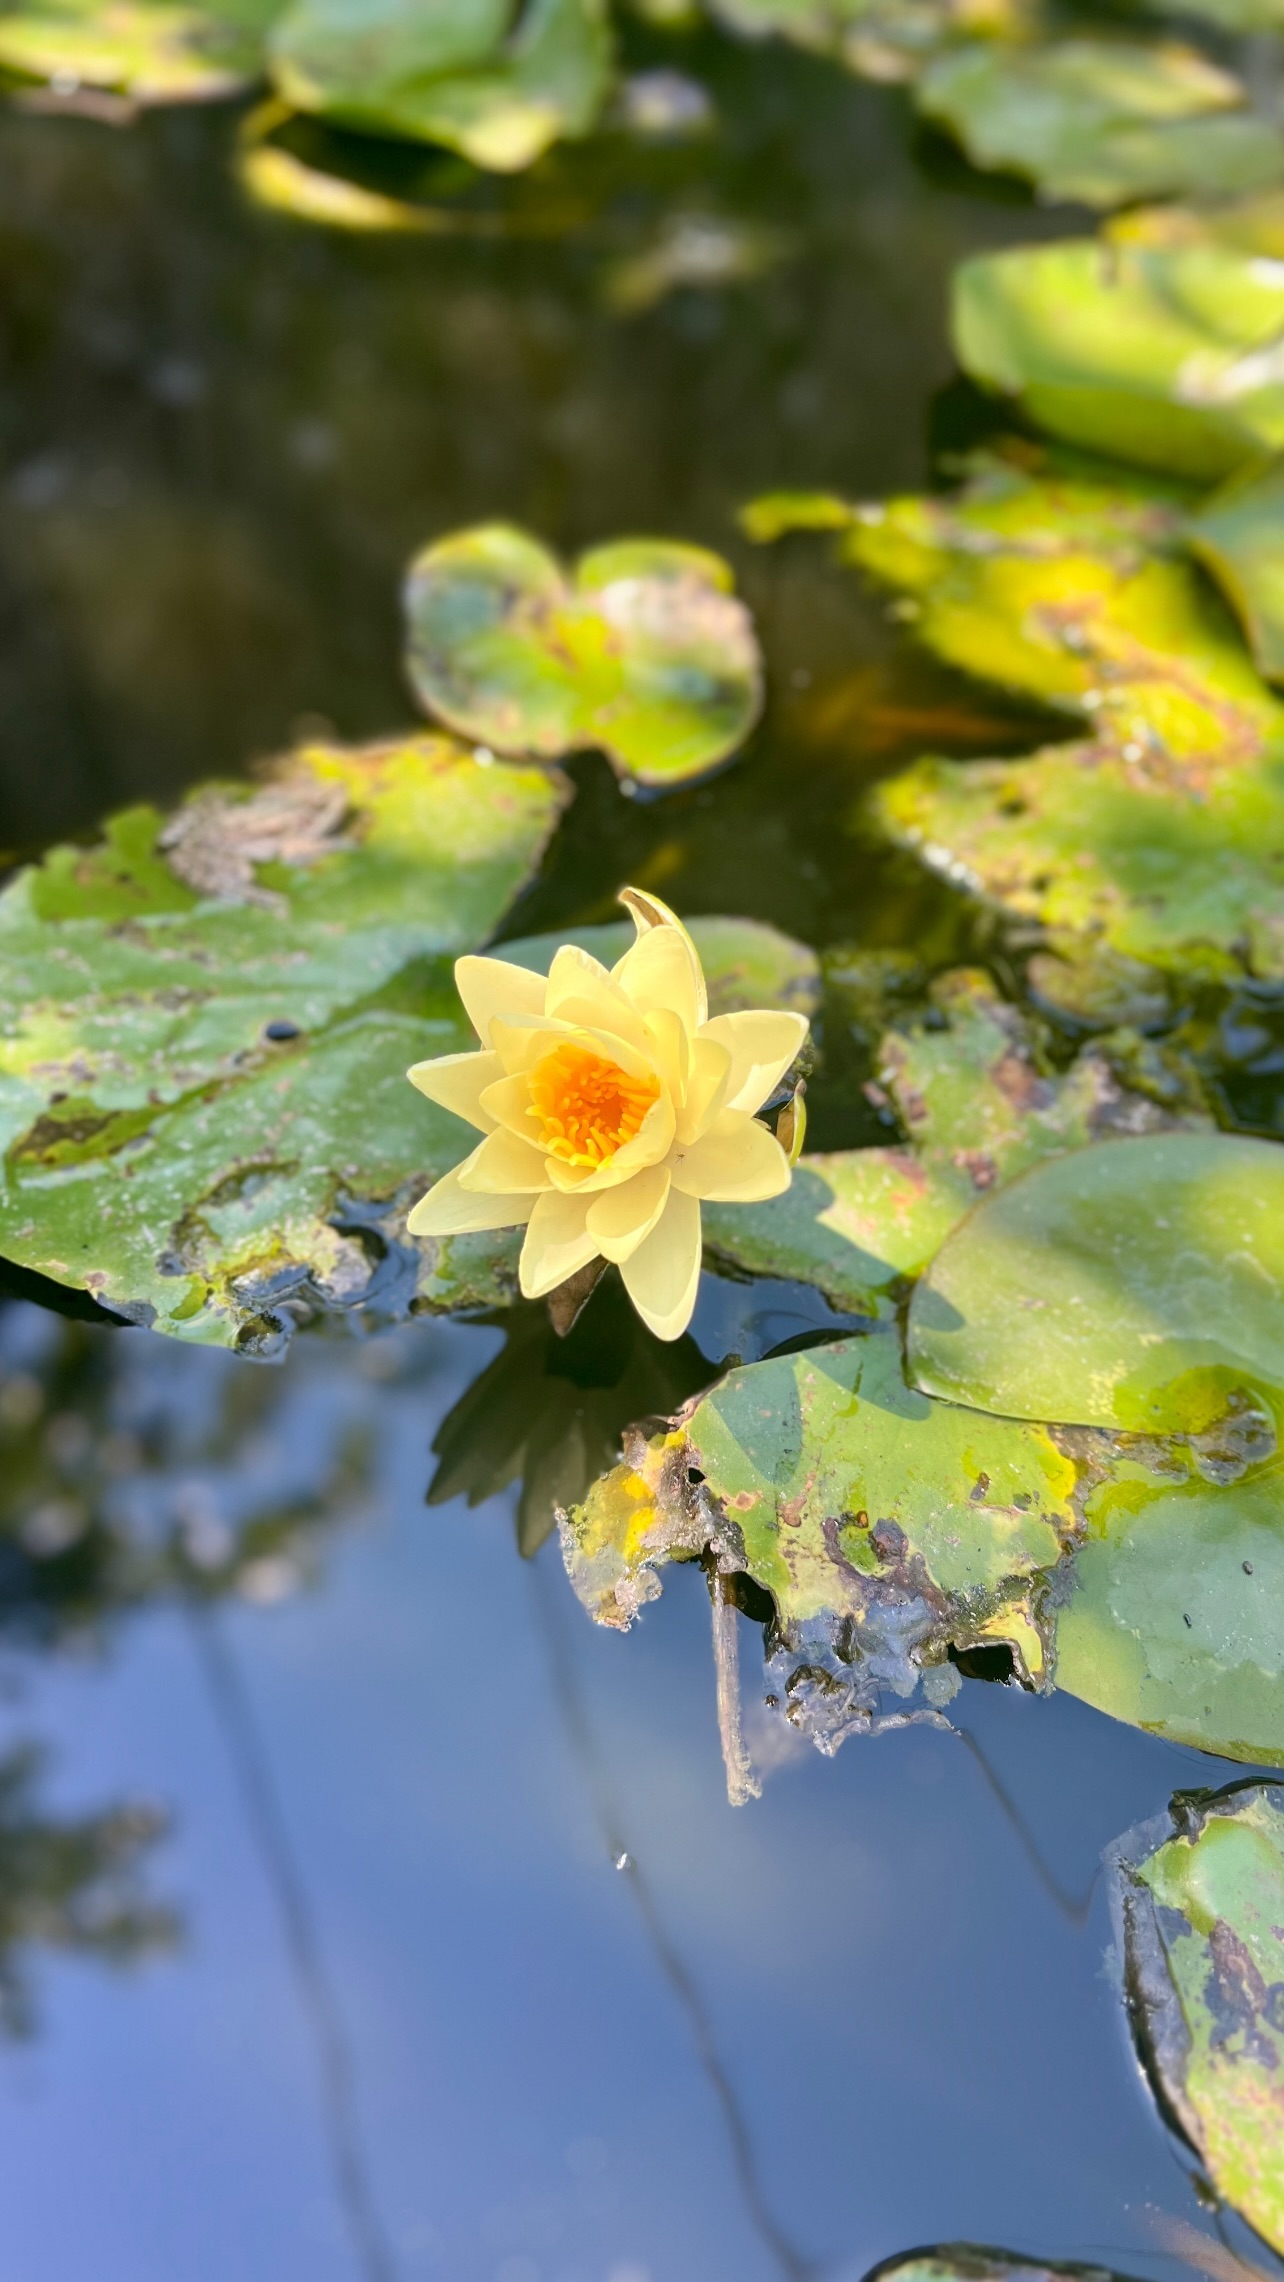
1134 1285
1240 536
643 651
1166 355
1102 121
152 51
496 81
1200 1904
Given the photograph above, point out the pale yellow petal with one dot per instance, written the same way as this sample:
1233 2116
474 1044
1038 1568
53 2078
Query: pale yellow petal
706 1090
669 1044
522 1042
507 1165
508 1103
557 1243
647 912
580 990
761 1047
619 1219
651 1143
735 1161
450 1210
661 970
457 1081
663 1275
495 986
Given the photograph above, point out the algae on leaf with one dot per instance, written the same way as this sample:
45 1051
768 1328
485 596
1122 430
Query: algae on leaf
495 81
1102 121
644 651
1200 1906
202 1091
150 51
1168 355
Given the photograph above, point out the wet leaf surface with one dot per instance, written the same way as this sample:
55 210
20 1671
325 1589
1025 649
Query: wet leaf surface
1103 121
977 1105
204 1102
495 82
1240 536
152 51
644 652
1166 355
1134 1285
1200 1904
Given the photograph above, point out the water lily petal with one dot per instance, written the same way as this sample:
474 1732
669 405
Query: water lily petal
620 1218
507 1165
522 1041
451 1210
495 986
761 1047
507 1102
652 1142
581 990
663 1275
557 1243
736 1161
457 1082
707 1082
669 1043
662 970
647 912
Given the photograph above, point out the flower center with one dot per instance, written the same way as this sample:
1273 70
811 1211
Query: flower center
587 1108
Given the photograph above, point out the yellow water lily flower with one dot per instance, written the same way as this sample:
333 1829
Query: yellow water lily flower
610 1105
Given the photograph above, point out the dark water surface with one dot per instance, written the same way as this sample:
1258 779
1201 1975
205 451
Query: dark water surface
411 2017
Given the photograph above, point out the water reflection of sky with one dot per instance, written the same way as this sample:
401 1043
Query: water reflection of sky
419 2010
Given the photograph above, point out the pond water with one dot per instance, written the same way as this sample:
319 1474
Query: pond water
455 1960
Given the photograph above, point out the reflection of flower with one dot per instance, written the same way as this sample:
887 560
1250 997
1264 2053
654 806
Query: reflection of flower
610 1105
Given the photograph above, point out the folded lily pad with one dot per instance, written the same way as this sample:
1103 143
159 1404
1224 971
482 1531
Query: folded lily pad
644 651
1200 1904
153 51
1240 536
1166 355
205 1028
977 1105
1102 121
495 81
1132 1285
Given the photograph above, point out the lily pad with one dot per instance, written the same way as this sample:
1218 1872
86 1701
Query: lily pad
643 651
1200 1902
1134 1285
1102 121
495 81
977 1105
1240 536
206 1027
879 39
153 51
1166 355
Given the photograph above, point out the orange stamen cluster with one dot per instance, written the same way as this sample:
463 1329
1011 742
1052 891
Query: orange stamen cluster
587 1108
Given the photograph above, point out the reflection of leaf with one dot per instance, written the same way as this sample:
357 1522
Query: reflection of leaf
1201 1906
549 1412
69 1883
1102 121
496 82
154 51
645 651
977 1106
1129 1285
1167 355
204 1102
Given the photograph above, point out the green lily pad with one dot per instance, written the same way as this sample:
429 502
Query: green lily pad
1200 1901
644 651
1166 355
1240 536
978 1106
153 51
880 39
495 81
1131 1285
1102 121
206 1027
1251 225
